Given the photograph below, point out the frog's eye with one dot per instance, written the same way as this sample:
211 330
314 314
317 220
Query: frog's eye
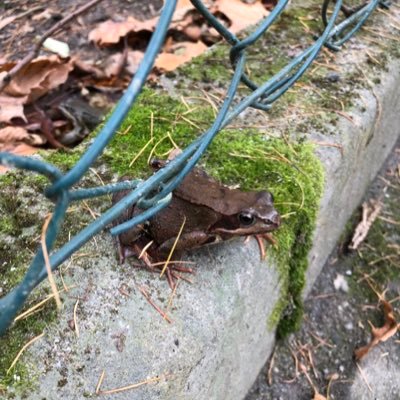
246 219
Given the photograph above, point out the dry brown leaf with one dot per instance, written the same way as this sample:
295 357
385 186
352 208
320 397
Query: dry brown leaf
381 334
183 52
12 107
30 83
110 32
15 134
241 14
38 77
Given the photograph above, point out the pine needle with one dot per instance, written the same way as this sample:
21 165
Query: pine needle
173 247
47 262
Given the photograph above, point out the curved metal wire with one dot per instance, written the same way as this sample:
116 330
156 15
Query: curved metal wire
164 181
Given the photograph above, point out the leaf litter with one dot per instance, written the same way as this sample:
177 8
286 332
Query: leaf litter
100 61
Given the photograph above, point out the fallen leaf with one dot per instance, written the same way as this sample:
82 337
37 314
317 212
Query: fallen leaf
389 329
38 77
183 52
110 32
318 396
241 14
11 107
15 134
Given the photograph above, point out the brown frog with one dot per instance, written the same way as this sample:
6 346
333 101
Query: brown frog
209 211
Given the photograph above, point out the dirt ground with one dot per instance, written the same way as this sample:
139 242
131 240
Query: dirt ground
18 37
339 310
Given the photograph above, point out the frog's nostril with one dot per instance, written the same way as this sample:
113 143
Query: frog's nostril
274 219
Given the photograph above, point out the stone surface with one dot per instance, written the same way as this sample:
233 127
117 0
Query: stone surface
216 326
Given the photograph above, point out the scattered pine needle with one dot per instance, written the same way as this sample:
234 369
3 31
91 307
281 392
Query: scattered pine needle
334 377
190 122
270 368
32 309
151 125
173 247
75 319
364 377
302 193
91 212
145 248
97 391
327 144
169 304
129 387
155 147
172 261
155 306
47 262
22 350
125 131
141 151
172 141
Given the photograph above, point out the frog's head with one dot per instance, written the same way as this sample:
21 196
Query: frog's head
258 217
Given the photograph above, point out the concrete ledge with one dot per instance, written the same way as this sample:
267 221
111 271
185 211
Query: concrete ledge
219 338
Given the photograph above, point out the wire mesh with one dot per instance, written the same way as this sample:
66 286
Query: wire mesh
163 182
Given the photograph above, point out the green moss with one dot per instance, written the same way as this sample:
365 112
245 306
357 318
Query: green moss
19 224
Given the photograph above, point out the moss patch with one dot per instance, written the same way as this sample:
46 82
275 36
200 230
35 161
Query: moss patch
22 212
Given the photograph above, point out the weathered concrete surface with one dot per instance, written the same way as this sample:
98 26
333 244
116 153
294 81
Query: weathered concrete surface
366 144
219 338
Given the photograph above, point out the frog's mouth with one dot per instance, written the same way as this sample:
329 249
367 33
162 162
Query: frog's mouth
254 230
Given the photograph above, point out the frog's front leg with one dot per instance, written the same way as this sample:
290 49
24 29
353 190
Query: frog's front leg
186 241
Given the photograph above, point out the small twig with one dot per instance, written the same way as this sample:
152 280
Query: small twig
34 52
